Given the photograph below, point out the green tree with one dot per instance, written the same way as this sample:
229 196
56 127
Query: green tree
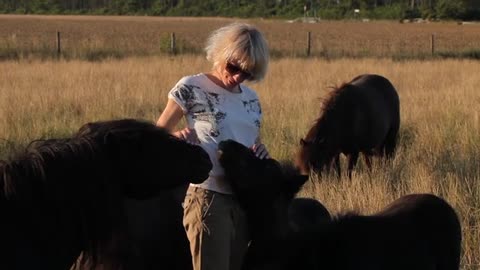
448 9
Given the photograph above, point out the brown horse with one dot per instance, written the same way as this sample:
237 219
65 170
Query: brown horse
362 116
63 196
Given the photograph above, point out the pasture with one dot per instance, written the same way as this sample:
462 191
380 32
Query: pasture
99 37
439 145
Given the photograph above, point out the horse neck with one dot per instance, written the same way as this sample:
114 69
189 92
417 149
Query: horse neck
323 133
2 180
269 223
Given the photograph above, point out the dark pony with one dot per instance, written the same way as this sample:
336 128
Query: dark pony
304 213
362 116
60 197
417 231
156 232
257 183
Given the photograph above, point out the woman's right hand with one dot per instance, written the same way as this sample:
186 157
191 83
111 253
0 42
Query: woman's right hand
187 134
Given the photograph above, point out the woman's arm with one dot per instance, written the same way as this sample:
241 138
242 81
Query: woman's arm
169 119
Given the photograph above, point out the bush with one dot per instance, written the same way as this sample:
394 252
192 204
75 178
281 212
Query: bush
411 13
447 9
389 13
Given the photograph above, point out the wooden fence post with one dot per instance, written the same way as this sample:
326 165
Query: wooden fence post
173 48
309 42
59 48
432 44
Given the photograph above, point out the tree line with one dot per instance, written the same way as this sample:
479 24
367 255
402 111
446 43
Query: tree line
324 9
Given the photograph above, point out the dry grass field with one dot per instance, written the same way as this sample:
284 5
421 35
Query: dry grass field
439 149
96 37
439 146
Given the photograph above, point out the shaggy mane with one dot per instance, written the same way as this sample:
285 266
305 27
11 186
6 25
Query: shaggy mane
39 172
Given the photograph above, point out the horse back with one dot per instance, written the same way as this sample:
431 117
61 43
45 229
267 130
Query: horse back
434 221
418 231
373 110
378 95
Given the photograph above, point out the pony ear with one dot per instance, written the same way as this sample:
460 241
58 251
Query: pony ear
295 183
299 180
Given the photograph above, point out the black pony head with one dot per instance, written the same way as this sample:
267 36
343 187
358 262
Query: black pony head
147 158
256 181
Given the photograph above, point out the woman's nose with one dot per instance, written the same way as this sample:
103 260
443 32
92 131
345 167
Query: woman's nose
240 77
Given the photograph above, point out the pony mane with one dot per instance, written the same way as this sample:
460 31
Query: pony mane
124 126
351 214
74 173
328 105
28 167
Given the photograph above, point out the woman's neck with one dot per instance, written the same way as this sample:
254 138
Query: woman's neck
216 77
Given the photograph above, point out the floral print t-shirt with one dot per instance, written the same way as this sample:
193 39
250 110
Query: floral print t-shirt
216 115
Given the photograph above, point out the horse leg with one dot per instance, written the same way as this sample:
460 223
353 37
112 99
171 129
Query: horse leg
352 161
336 165
390 143
368 161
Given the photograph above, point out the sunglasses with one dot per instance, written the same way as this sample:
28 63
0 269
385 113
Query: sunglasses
234 69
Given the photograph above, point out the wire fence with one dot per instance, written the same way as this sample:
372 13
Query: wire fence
97 45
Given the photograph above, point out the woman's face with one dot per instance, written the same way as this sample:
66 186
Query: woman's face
232 75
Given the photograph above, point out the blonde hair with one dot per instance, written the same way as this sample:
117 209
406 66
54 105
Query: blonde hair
241 44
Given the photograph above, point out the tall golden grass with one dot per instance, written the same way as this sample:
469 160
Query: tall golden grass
97 37
439 146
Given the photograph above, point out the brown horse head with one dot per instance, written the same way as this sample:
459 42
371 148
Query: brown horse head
317 149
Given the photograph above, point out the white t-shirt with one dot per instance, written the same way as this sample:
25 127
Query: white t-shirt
216 115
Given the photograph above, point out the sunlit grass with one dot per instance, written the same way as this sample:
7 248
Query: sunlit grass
439 145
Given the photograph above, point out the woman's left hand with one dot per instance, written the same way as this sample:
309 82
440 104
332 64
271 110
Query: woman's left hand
260 150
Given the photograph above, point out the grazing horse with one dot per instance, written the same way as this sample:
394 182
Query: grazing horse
417 231
63 196
362 116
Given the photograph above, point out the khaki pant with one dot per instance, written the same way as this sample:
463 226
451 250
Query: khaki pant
216 227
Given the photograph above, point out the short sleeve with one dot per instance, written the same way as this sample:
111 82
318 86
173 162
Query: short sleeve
183 95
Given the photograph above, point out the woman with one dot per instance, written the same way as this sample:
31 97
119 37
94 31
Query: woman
217 107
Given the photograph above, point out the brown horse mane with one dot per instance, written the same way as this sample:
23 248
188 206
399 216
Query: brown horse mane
328 104
69 169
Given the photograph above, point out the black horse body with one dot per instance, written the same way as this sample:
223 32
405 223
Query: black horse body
257 183
64 196
362 116
304 213
417 231
157 233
